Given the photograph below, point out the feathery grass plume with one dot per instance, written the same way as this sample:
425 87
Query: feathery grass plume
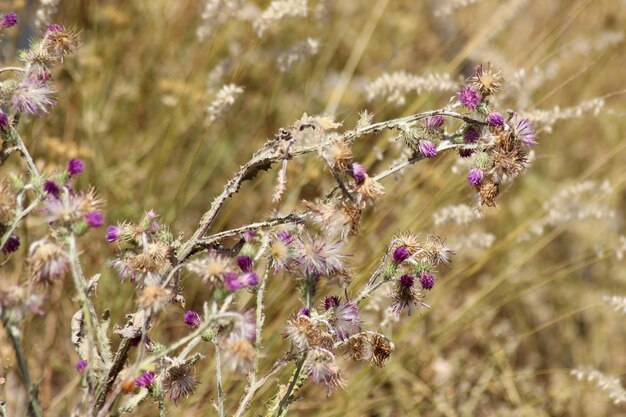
447 7
278 10
610 384
458 214
224 98
546 119
393 87
616 302
297 53
43 14
216 13
573 203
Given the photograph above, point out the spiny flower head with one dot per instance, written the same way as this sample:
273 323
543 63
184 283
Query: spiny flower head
358 173
12 244
33 95
234 281
427 148
475 176
435 122
69 207
524 130
368 346
4 121
469 97
427 280
75 167
145 380
112 233
81 365
281 250
51 188
192 319
180 381
486 80
320 366
318 256
94 219
211 268
495 119
8 20
405 295
245 263
47 262
344 316
400 254
238 353
471 135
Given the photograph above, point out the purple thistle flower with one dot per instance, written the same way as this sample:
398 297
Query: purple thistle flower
233 281
466 153
469 97
524 130
51 188
192 319
427 280
435 122
248 235
81 365
245 263
55 28
407 281
75 166
475 177
4 121
331 302
427 148
400 255
304 312
95 219
495 119
33 95
358 173
285 237
113 233
471 135
11 245
347 320
145 380
8 20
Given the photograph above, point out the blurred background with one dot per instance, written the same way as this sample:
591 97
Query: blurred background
144 103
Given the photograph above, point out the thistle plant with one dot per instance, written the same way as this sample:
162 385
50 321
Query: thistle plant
307 246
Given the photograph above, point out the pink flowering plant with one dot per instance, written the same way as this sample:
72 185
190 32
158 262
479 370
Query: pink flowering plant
308 246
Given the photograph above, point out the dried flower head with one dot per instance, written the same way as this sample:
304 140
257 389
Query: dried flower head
339 155
211 268
238 353
320 366
303 331
316 255
47 262
486 80
180 381
344 316
368 346
154 297
488 192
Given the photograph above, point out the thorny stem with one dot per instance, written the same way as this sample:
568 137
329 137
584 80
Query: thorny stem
270 153
33 390
260 318
220 388
287 398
